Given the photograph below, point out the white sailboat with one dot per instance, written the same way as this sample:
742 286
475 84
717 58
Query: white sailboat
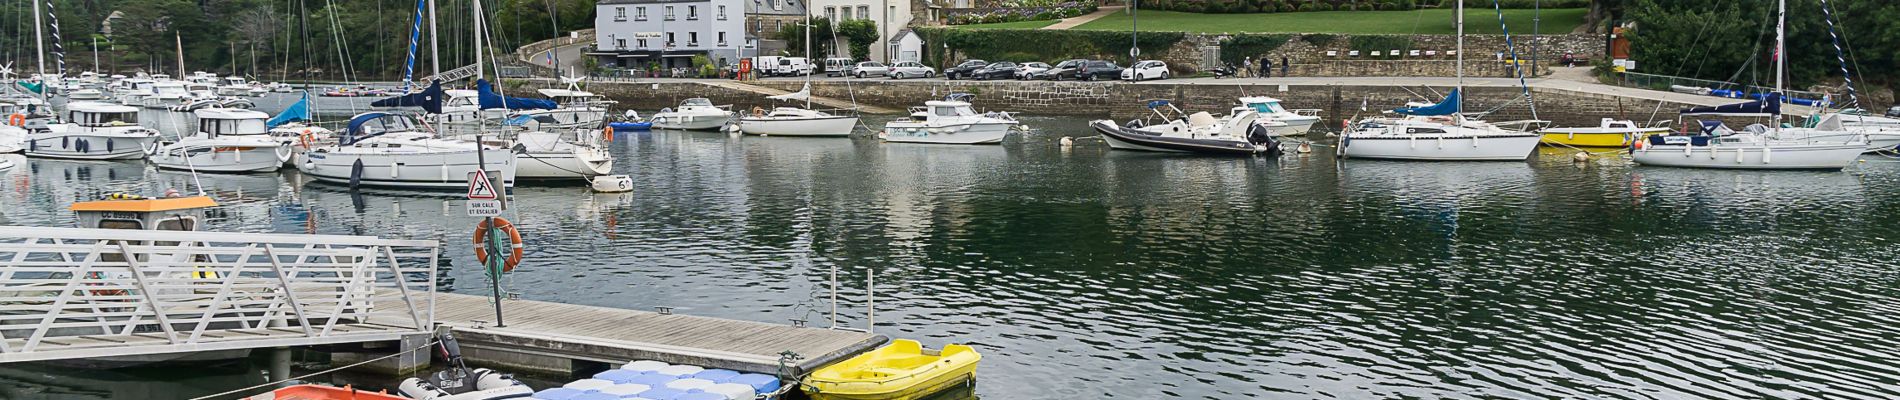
92 131
387 149
573 153
696 113
1717 146
949 121
578 108
794 121
227 140
1437 132
12 136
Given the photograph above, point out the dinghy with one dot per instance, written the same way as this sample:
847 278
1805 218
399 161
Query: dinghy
903 369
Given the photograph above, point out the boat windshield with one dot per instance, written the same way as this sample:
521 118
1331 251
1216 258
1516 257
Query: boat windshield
106 118
696 101
169 89
388 123
220 127
952 111
1268 107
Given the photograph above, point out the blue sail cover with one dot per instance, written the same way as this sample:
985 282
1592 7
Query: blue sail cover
491 100
1448 106
1157 103
299 111
355 132
1767 106
429 99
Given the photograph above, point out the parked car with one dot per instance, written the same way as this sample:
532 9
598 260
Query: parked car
869 68
963 70
910 69
996 70
836 66
1061 71
1894 112
1099 70
1145 70
782 66
1025 69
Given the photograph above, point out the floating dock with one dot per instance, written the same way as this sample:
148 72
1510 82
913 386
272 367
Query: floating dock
564 338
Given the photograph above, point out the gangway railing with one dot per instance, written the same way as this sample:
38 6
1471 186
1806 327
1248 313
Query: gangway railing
465 72
69 293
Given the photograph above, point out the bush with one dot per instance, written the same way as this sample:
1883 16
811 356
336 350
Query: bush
1238 47
1370 43
1319 39
1042 45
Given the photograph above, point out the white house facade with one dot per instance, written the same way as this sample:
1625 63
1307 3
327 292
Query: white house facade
891 16
638 33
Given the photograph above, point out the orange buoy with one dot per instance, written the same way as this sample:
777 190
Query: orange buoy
609 130
16 119
514 242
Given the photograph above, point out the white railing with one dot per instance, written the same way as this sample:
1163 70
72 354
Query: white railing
82 293
465 72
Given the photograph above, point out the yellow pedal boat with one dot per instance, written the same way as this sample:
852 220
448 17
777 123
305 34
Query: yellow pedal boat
1608 133
903 369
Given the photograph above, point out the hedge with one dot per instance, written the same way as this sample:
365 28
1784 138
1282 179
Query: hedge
1238 47
1267 6
1040 45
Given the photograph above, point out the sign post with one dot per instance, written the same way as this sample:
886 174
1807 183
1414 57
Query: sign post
485 200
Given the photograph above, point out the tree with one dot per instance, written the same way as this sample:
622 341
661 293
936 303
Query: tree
794 37
861 34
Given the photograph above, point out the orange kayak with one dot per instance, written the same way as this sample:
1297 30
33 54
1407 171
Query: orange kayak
324 392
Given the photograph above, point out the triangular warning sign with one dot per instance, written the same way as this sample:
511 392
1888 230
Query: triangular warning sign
479 188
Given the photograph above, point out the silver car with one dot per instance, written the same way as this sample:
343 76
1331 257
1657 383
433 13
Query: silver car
1025 70
911 69
868 68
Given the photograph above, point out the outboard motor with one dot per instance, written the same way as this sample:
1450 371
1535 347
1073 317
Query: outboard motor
461 383
1260 135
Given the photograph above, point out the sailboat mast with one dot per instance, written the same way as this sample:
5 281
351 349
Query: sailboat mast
435 59
480 30
1781 39
1461 54
808 58
179 40
39 38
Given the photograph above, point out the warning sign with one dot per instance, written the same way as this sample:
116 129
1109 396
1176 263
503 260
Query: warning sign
480 188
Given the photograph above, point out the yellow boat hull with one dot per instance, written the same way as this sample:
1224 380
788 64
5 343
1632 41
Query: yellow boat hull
903 370
1597 139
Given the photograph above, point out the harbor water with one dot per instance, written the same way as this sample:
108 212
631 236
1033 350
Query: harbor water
1081 272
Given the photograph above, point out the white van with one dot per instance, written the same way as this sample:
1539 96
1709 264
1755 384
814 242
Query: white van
837 66
783 66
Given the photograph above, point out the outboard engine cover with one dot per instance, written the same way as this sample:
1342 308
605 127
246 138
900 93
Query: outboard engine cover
420 389
488 379
1259 135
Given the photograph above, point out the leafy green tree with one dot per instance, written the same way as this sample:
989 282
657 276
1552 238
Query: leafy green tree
860 34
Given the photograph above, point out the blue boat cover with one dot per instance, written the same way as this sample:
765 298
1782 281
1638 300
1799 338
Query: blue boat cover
355 131
660 393
34 87
1771 105
558 394
491 100
1448 106
717 375
630 126
760 383
518 120
1156 103
429 99
299 111
618 375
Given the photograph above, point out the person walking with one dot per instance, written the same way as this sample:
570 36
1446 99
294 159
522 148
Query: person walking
1246 67
1285 67
1266 67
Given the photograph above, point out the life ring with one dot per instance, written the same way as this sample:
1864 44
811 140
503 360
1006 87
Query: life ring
306 138
17 119
609 131
758 111
514 242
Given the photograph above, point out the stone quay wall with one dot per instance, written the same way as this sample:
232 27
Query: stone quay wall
1124 100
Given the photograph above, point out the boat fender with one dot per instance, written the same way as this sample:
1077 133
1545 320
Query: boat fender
1581 156
1305 148
1764 154
520 148
514 242
1738 155
356 173
488 379
307 138
108 145
65 142
1067 141
609 132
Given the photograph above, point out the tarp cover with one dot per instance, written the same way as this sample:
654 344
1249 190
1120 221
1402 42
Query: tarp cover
429 99
1448 106
299 111
491 100
1768 106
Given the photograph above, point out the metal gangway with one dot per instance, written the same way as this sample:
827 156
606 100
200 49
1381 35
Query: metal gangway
465 72
73 293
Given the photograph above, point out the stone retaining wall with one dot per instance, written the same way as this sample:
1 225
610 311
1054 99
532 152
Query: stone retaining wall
1123 100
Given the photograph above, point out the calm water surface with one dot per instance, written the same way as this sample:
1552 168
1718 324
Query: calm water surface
1085 273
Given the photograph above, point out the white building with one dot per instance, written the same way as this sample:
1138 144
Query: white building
636 33
891 16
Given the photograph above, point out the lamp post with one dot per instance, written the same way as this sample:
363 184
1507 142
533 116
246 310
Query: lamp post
1134 34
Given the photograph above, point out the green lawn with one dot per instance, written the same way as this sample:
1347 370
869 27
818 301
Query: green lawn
1012 25
1422 21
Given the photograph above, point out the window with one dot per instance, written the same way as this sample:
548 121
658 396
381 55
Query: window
776 5
946 111
847 14
692 39
640 14
622 43
831 13
864 12
669 39
692 13
669 13
722 13
778 25
643 43
620 13
722 39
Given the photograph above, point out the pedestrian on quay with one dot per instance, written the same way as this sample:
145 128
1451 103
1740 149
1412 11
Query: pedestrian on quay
1285 67
1266 67
1245 67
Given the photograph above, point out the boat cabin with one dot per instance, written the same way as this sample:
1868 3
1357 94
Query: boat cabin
373 124
215 122
696 102
170 89
121 211
101 115
235 81
460 98
1263 105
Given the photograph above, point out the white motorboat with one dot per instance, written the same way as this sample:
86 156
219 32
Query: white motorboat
92 131
227 140
460 107
1294 122
566 154
234 86
385 149
794 121
133 91
1435 138
1172 130
949 121
166 94
13 133
86 94
280 87
694 114
578 109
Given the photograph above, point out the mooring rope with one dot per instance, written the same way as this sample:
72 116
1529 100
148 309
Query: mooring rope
431 343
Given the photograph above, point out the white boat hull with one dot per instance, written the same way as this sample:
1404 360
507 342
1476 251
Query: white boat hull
80 146
1295 126
1442 148
254 159
435 170
1807 156
702 122
976 133
834 126
582 163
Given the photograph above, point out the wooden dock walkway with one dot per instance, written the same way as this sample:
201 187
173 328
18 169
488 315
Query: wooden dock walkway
540 331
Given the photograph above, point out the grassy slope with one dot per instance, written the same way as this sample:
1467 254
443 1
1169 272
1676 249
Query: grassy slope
1423 21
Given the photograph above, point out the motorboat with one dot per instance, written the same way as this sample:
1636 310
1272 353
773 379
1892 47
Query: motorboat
280 87
1881 133
389 150
86 94
1757 146
1609 132
903 369
227 140
695 113
554 154
92 131
795 121
13 133
133 91
1296 121
460 108
1435 132
234 86
1168 130
166 94
949 121
578 109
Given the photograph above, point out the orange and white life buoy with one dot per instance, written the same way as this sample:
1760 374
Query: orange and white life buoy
609 131
16 119
514 243
306 139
